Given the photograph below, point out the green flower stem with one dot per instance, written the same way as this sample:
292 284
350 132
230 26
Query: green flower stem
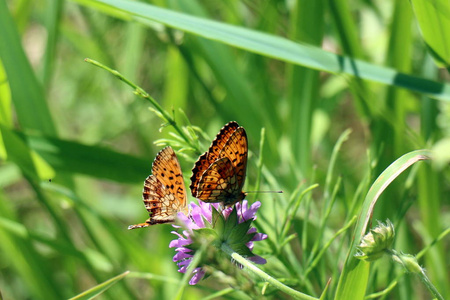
430 285
291 217
142 93
251 267
188 274
409 262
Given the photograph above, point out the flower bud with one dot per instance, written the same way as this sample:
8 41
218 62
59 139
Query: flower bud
374 244
408 261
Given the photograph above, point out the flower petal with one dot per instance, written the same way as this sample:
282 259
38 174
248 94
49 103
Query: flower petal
206 210
257 260
181 256
227 211
250 213
196 215
250 245
188 222
259 237
199 273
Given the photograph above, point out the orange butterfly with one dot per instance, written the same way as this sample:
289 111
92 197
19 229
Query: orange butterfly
164 193
219 174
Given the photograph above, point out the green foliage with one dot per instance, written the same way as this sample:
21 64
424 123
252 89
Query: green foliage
337 98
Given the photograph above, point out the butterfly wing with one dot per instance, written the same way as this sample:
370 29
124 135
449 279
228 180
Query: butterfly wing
167 170
210 156
164 194
219 183
236 150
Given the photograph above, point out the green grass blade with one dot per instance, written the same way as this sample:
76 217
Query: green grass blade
19 250
52 16
354 276
98 289
303 82
349 37
27 94
431 198
95 161
232 78
5 99
28 160
434 22
281 48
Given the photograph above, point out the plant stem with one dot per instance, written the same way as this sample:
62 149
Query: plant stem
255 270
409 262
430 285
142 93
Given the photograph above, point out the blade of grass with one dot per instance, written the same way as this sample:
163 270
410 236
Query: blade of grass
280 48
52 16
325 247
430 202
73 157
232 77
303 87
5 99
346 29
27 94
391 131
429 108
98 289
227 71
157 107
24 258
353 280
434 23
28 160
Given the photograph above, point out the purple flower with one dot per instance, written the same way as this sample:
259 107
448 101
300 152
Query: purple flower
236 234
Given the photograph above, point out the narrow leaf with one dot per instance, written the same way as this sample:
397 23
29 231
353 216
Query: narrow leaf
280 48
354 276
98 289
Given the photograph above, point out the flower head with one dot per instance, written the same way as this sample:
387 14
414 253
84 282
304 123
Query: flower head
374 244
408 261
231 226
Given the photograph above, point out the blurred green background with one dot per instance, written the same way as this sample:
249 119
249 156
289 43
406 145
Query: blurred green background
76 144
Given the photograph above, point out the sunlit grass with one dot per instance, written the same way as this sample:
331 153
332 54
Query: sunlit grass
76 144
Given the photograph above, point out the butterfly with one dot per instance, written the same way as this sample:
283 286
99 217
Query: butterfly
164 194
219 174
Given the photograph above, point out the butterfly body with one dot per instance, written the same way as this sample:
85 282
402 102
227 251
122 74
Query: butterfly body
219 174
164 193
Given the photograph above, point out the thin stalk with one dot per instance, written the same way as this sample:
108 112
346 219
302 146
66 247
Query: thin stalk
325 247
194 263
258 272
289 219
142 93
410 264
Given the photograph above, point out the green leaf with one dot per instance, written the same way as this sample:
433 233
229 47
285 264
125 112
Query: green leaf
230 223
98 289
218 221
241 249
27 94
303 82
248 237
5 103
95 161
434 22
26 262
207 234
25 158
279 48
355 274
239 231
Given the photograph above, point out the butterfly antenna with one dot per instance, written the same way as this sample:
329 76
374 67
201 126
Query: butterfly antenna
265 192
